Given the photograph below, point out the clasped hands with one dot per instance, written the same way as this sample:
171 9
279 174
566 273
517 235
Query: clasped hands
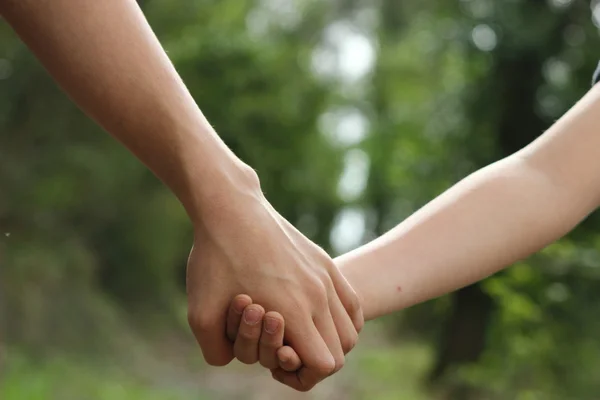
243 246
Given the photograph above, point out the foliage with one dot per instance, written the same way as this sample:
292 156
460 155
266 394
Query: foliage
68 379
354 113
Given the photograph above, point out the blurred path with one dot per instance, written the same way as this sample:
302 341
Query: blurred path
253 383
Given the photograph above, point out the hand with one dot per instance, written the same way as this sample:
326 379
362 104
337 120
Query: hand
242 245
258 336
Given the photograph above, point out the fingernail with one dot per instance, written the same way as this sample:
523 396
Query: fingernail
283 356
271 325
284 359
251 316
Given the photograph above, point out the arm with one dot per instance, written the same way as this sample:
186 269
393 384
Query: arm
106 57
496 216
493 218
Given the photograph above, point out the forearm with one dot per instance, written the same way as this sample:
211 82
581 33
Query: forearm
491 219
106 57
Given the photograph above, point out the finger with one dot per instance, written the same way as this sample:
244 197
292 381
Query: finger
288 359
303 379
289 379
318 362
344 326
349 298
234 316
329 332
344 290
245 347
271 339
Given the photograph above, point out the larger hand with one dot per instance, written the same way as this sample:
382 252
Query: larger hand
245 246
241 244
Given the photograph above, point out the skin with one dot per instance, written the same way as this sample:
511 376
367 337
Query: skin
106 57
491 219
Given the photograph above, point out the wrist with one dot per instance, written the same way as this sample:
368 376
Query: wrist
225 188
353 274
380 284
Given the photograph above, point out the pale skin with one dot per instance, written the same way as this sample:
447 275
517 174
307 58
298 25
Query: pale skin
491 219
106 57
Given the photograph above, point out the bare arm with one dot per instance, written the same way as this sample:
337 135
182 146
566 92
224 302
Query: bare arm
491 219
106 57
498 215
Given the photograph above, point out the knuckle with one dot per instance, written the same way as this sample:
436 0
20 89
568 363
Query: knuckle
359 325
319 283
324 273
354 304
248 335
354 309
339 364
296 303
305 385
268 343
305 388
359 320
349 342
200 322
305 299
325 368
317 290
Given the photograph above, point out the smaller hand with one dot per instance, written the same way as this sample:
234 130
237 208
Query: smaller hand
258 336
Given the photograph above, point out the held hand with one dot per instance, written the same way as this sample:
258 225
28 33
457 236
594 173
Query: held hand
258 336
244 246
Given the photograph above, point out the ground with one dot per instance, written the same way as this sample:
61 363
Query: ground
378 369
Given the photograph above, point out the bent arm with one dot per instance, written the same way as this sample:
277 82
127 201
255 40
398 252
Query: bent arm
106 57
493 218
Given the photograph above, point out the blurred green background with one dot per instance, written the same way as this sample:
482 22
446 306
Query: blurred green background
355 113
